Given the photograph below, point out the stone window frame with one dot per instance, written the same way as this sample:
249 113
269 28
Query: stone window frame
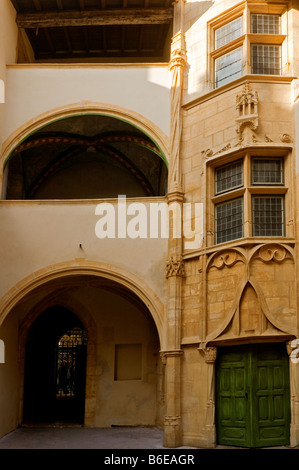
245 41
247 192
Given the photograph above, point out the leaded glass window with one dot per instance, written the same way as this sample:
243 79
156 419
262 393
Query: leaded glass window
229 220
265 24
229 177
268 216
266 59
228 67
228 32
267 171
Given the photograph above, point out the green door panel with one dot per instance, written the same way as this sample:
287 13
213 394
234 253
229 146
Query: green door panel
252 396
271 396
232 398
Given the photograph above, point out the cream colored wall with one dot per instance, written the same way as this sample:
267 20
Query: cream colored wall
8 47
37 235
197 14
36 89
122 402
9 379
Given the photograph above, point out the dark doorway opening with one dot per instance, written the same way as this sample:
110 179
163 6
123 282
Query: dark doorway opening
55 369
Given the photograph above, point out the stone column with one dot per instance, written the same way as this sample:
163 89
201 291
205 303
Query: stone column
210 354
172 357
174 265
177 65
293 351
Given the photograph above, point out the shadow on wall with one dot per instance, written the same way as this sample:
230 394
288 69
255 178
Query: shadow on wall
194 12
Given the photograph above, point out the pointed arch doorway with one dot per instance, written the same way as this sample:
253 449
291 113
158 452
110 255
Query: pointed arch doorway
55 369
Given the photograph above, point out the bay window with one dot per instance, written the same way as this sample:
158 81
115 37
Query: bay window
246 41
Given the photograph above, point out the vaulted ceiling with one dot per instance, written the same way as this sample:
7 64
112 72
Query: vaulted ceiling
86 157
91 29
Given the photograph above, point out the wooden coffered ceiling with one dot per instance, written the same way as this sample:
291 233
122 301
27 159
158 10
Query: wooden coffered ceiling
96 29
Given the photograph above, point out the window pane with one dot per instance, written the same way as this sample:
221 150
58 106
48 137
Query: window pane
229 220
268 216
266 59
228 32
265 24
229 177
228 67
267 171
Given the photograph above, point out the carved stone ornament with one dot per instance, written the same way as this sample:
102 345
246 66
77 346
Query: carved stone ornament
210 355
286 138
273 252
174 267
293 350
247 109
209 352
178 58
226 259
207 153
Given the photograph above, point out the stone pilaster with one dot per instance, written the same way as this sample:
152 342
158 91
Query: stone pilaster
293 351
210 355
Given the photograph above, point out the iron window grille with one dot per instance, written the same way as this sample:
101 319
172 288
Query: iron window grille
67 350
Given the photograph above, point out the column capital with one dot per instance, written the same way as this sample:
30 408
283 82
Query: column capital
178 58
174 267
210 353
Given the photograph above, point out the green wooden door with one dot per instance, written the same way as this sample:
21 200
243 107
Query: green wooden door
252 396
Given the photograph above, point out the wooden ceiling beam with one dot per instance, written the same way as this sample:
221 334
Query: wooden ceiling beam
94 18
